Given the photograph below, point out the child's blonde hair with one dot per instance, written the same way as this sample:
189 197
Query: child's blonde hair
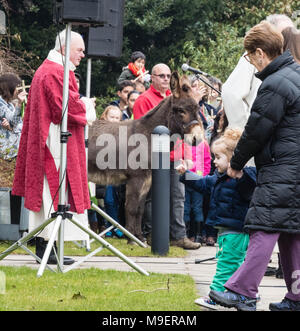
107 110
227 142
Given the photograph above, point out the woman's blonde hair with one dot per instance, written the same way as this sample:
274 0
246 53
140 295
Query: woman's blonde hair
107 110
266 37
227 142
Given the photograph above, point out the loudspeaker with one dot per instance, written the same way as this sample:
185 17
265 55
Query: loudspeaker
106 41
80 12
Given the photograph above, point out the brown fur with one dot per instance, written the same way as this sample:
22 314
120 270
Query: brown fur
175 112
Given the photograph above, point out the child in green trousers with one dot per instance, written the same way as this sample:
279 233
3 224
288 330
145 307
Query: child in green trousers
229 203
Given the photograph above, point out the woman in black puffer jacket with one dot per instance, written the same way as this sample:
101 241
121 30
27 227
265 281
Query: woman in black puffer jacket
272 136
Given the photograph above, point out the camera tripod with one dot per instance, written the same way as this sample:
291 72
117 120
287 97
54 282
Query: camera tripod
62 214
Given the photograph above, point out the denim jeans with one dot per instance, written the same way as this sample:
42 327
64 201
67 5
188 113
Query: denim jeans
193 205
111 204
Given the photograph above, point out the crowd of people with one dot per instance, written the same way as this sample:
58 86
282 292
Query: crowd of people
237 187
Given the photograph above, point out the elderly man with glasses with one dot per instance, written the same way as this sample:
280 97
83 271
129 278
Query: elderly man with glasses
158 90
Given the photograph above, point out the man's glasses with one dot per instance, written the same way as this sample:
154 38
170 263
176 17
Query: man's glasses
163 76
247 57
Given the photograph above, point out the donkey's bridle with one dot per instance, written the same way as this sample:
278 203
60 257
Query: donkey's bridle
185 126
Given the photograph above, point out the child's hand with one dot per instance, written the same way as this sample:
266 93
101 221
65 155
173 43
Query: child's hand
5 124
182 168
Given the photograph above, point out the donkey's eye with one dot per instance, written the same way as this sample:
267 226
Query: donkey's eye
185 88
179 110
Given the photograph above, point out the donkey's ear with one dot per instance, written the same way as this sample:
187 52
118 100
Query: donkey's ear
174 84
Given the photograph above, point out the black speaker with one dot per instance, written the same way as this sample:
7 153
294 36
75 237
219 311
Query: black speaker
81 12
106 41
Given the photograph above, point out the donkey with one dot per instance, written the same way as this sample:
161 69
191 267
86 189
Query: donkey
178 112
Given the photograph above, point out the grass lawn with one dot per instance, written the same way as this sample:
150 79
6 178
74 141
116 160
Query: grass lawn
70 249
96 290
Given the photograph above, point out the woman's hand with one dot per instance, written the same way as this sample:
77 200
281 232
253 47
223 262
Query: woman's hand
22 97
234 173
199 93
5 124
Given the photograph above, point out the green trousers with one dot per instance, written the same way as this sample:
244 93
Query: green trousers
231 254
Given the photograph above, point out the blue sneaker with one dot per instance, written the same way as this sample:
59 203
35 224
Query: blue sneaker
108 234
231 299
118 233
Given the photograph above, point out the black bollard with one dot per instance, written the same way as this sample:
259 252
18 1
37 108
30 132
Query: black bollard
160 148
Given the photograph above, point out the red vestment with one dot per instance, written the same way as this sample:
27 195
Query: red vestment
34 159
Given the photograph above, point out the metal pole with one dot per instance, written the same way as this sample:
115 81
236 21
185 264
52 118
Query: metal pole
63 143
57 227
160 190
88 95
88 77
86 129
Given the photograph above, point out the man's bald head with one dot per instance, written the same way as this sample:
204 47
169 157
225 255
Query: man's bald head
160 76
160 67
77 46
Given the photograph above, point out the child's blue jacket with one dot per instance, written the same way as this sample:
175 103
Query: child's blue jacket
229 197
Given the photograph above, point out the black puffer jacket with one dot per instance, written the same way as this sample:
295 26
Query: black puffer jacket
272 136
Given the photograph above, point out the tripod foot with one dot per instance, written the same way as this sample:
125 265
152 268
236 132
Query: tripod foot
52 260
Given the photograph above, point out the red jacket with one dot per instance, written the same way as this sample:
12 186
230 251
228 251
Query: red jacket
147 101
34 158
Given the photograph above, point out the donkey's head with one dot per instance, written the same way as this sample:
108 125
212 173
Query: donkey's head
184 114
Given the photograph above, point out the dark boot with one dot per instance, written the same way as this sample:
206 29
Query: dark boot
94 227
40 248
198 238
270 271
278 272
188 228
285 305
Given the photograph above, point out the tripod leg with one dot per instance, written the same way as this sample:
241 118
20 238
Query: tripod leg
109 246
36 257
119 226
49 247
26 238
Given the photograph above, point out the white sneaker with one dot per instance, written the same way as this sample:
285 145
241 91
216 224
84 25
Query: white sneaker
206 302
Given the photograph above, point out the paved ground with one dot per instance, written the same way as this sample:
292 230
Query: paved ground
271 288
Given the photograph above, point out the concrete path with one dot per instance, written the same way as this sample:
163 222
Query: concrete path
271 288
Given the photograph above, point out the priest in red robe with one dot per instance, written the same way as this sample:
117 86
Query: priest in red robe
37 168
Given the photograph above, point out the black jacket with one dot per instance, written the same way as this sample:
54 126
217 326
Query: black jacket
272 136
